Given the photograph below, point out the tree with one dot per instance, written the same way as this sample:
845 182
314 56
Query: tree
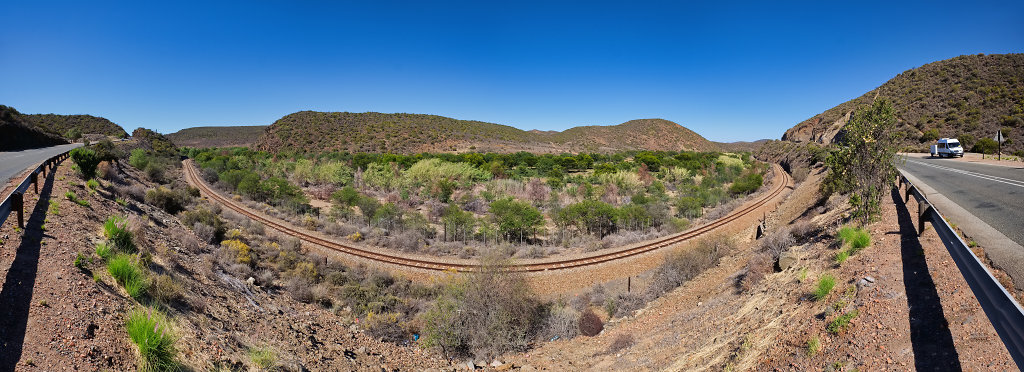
516 219
457 223
862 164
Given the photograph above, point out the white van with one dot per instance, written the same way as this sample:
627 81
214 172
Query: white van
947 147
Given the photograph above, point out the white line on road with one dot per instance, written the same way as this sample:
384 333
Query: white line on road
973 174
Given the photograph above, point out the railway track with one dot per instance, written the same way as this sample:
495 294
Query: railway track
781 180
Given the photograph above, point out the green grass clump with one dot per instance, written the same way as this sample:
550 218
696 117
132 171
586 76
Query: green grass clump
74 198
813 346
129 274
150 331
54 207
842 256
263 358
856 238
841 323
115 229
81 260
121 202
825 285
92 184
103 250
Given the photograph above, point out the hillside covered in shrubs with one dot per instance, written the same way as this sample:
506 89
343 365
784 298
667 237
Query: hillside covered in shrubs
967 97
217 136
413 133
83 124
19 134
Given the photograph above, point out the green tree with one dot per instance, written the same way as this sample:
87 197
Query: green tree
457 223
862 164
516 219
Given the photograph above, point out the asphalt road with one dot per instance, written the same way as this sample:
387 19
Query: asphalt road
994 194
13 163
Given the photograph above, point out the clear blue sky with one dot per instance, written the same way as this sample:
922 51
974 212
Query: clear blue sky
728 70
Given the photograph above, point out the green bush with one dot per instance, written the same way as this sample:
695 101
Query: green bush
263 358
747 184
115 229
842 256
150 331
103 250
825 285
171 201
129 274
86 160
985 146
139 159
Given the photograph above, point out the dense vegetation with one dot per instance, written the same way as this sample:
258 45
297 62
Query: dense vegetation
83 124
412 133
217 136
463 204
967 97
20 134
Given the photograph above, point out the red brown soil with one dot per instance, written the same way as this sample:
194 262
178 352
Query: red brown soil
56 317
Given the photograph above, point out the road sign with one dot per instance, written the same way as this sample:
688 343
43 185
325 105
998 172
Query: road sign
1000 137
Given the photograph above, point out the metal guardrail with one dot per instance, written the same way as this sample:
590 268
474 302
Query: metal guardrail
15 202
1002 310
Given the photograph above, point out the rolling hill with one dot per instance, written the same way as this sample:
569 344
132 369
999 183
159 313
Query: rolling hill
88 124
217 136
967 97
309 131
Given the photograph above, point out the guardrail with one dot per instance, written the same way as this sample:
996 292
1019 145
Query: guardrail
15 202
1002 310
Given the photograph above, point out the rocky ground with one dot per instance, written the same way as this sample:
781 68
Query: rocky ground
59 317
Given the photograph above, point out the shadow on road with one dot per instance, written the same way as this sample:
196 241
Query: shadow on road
929 331
16 295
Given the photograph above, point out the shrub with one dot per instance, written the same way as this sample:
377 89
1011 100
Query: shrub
621 342
840 324
81 260
115 229
129 274
165 289
155 171
777 242
240 251
683 266
385 326
561 322
825 285
150 331
985 145
171 201
487 313
758 267
86 161
862 164
138 159
749 183
590 323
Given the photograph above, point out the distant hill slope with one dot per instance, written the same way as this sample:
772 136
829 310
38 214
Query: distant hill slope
968 97
411 133
19 134
88 124
217 136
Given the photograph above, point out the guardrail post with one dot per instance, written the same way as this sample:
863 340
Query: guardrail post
18 204
924 211
35 181
910 190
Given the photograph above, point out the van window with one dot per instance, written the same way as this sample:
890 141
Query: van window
953 144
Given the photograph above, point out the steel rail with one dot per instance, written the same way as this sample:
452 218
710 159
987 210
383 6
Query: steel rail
781 181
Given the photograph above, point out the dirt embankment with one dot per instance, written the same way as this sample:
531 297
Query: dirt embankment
57 316
913 310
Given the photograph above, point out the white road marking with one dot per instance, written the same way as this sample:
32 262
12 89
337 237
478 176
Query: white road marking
973 174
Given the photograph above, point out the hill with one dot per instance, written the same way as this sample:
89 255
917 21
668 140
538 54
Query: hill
309 131
19 134
968 97
217 136
87 124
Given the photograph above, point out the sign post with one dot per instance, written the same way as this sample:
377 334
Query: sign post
999 143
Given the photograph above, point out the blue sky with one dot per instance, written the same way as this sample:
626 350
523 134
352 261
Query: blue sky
728 70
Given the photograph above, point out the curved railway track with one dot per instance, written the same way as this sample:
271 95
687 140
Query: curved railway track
781 180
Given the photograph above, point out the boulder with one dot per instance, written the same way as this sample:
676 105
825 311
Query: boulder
787 260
